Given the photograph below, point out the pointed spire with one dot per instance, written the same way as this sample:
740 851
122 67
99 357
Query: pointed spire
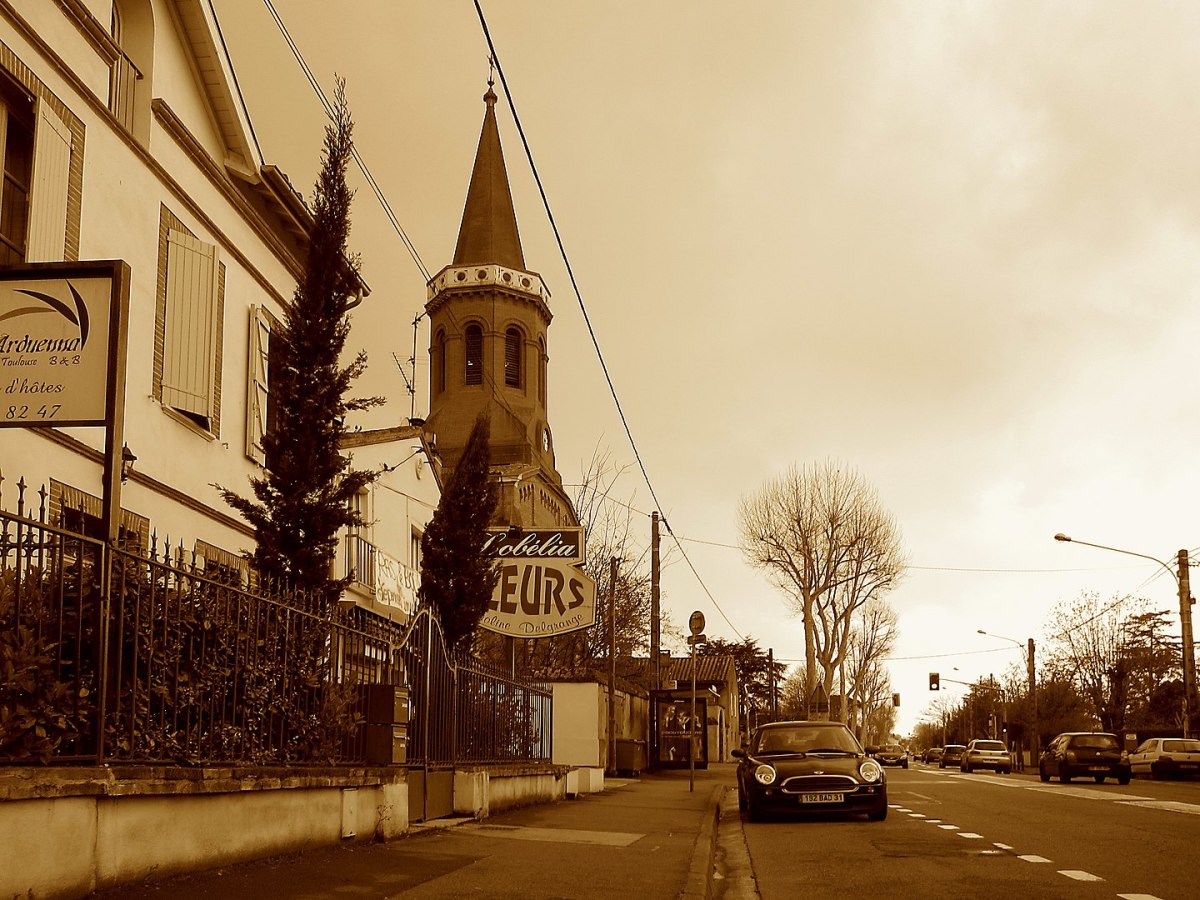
488 233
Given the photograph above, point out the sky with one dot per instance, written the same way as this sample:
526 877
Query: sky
950 245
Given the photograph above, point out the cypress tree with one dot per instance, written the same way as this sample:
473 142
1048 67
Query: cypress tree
302 499
457 579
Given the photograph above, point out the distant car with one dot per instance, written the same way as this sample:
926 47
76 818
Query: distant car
1170 757
933 754
892 755
986 754
951 755
1084 753
808 767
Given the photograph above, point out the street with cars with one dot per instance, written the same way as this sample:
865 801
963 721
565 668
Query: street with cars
988 834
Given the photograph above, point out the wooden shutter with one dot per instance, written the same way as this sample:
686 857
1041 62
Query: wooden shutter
512 358
258 386
190 339
474 341
48 204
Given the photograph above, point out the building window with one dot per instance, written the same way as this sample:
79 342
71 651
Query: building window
261 405
474 360
81 513
187 352
220 565
36 147
439 362
512 357
132 29
414 550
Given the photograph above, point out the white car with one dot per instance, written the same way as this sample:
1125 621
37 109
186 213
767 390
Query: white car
1166 757
985 754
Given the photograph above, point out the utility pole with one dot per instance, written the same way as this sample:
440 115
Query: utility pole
772 704
1189 647
1034 741
612 666
655 611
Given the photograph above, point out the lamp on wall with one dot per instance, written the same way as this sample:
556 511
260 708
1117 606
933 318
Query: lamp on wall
128 458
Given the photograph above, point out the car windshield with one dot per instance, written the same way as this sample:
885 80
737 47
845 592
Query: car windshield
990 745
951 748
806 739
1181 746
1095 741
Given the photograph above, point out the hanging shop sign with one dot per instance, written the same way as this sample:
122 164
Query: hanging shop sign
538 598
60 327
561 544
396 586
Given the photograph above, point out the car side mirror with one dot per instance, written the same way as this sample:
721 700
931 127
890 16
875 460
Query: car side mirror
738 752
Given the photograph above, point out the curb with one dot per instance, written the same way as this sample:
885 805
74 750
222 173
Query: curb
700 873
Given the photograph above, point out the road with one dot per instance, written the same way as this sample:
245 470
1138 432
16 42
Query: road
985 836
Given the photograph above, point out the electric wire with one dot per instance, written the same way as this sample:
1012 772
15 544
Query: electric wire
362 166
583 309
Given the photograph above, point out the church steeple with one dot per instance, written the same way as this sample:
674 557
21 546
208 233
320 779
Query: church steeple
489 320
488 233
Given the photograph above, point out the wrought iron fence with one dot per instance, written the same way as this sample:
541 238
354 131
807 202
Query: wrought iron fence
118 654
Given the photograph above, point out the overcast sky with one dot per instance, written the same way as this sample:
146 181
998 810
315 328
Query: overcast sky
951 245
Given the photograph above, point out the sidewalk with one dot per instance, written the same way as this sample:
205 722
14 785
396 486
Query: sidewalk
650 837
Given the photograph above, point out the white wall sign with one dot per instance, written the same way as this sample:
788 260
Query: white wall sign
537 598
55 350
396 586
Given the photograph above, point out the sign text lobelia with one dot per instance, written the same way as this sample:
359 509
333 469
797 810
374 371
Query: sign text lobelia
541 592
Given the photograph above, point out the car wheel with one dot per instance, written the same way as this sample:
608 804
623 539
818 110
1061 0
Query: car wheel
1064 775
754 811
741 799
1122 779
904 765
1005 771
1043 774
1099 779
880 813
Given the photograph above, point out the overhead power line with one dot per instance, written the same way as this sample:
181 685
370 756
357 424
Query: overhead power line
583 308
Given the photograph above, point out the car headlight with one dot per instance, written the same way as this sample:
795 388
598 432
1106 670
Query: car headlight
870 771
764 775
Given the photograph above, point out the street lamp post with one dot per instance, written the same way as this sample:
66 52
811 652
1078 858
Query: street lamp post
1034 742
1185 620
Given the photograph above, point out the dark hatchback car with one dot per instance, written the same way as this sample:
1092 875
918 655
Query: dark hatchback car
892 755
808 767
951 755
1094 754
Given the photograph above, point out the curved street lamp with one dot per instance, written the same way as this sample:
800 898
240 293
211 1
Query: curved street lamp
1028 653
1180 574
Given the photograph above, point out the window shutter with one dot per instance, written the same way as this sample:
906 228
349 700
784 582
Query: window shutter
259 370
190 338
51 172
512 358
474 341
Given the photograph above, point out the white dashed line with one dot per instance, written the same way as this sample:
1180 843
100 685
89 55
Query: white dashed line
901 809
1171 805
1001 846
1138 897
1079 875
934 821
971 835
948 827
1029 857
916 815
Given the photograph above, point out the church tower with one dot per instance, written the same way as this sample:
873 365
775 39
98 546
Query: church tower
489 316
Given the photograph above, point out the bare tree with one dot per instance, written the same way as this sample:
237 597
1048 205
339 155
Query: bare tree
871 640
822 537
1090 644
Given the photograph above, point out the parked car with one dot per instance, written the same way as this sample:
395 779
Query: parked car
1171 757
986 754
951 755
932 755
892 755
808 767
1094 753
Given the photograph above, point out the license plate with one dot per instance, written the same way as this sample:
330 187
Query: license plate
821 798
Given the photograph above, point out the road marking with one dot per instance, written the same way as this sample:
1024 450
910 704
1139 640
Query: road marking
1001 846
970 835
1084 793
1029 857
1079 875
916 815
555 835
949 827
901 809
1138 897
1173 805
934 821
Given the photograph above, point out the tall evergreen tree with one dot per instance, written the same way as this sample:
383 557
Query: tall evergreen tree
457 578
302 500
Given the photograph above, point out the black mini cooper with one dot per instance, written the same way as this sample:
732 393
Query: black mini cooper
808 767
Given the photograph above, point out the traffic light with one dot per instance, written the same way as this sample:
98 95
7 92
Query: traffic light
895 699
935 682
